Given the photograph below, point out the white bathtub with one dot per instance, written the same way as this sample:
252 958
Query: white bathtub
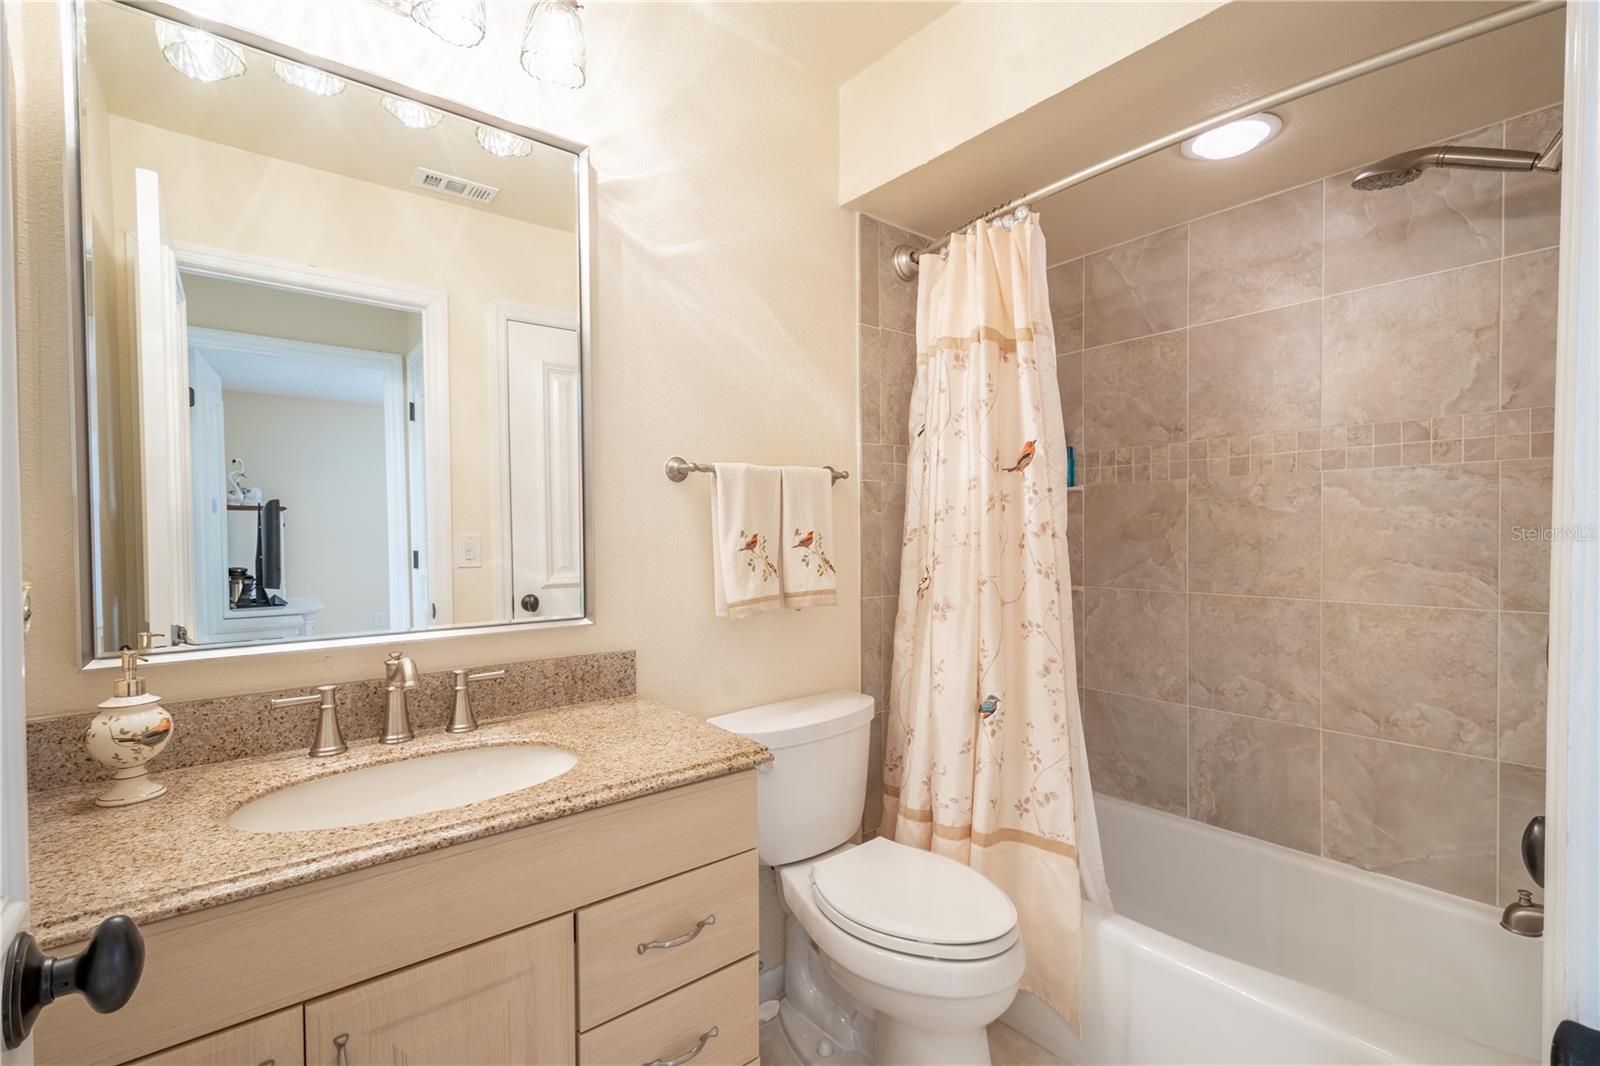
1225 949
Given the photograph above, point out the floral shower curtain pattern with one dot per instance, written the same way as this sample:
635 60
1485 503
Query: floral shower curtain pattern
984 758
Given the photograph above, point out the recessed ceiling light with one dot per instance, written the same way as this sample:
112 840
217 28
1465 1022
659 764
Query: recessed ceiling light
503 144
310 79
410 113
1234 139
197 54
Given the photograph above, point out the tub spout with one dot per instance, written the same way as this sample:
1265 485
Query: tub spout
1524 917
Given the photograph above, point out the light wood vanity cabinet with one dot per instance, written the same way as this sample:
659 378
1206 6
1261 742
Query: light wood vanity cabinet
522 947
276 1040
507 1000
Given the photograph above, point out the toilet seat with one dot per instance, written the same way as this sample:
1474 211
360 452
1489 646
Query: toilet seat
914 902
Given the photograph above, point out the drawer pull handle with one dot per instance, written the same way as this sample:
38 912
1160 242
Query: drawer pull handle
340 1042
679 941
705 1038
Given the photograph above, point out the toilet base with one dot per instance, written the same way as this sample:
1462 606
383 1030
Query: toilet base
829 1025
905 1044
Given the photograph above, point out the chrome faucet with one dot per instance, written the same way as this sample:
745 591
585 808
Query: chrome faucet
400 676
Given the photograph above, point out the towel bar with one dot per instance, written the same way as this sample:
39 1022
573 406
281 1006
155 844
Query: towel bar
679 468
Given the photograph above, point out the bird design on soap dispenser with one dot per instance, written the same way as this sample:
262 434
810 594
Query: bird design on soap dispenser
1024 459
990 704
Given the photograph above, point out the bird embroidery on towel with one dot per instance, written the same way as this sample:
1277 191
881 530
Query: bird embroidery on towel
809 545
750 545
990 704
1024 459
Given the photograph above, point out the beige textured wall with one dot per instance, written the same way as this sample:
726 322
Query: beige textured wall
722 330
325 459
1315 431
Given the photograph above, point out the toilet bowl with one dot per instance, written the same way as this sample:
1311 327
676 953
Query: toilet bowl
892 954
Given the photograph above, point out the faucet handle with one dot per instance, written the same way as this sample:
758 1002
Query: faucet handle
329 740
463 720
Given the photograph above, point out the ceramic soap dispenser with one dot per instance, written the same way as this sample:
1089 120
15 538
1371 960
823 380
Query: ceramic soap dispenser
130 730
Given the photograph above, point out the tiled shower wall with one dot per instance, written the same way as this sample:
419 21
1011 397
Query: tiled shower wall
887 356
1315 432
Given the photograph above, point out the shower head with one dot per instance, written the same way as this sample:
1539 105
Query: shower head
1407 167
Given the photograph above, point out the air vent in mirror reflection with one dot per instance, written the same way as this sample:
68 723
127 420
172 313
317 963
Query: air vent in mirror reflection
461 188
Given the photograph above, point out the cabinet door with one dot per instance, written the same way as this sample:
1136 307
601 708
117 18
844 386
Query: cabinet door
505 1001
275 1040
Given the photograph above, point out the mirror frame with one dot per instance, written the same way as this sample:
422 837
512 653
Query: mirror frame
72 18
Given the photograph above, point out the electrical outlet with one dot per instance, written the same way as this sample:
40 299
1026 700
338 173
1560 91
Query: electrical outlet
469 551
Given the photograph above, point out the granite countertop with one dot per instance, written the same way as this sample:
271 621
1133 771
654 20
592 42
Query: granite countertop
177 854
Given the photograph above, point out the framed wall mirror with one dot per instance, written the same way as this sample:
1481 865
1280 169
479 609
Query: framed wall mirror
333 345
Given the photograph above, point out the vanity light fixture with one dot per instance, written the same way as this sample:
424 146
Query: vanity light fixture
552 43
312 80
410 113
503 144
1234 139
197 54
457 22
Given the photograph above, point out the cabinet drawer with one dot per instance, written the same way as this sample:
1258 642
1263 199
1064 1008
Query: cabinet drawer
614 975
670 1027
277 1039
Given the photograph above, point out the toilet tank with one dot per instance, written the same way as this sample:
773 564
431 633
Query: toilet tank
809 798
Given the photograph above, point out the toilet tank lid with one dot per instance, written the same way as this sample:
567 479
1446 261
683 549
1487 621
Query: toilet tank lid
799 721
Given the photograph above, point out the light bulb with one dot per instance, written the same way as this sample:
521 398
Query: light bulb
503 144
552 44
410 113
197 54
457 22
312 80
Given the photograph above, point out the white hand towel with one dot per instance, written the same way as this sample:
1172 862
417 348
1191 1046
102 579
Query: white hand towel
745 539
809 576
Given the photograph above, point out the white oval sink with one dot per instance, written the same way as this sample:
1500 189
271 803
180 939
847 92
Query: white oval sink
403 789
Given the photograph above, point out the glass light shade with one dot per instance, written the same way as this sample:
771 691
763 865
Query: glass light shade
457 22
503 144
197 54
552 44
410 113
312 80
1234 139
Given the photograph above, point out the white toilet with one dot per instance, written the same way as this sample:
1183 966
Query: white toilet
892 955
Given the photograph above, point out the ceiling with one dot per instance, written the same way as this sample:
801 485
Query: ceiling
1240 52
348 134
832 39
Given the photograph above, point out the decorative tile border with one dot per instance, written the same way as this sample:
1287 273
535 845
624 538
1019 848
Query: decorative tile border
238 727
1525 433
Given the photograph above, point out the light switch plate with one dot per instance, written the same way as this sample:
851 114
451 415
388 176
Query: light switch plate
469 551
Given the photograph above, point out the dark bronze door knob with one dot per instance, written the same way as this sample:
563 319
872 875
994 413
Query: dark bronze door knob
105 973
530 603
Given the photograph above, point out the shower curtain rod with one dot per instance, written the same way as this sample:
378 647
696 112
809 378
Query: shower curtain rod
905 256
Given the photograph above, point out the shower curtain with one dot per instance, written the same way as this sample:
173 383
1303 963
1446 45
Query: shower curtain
984 759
